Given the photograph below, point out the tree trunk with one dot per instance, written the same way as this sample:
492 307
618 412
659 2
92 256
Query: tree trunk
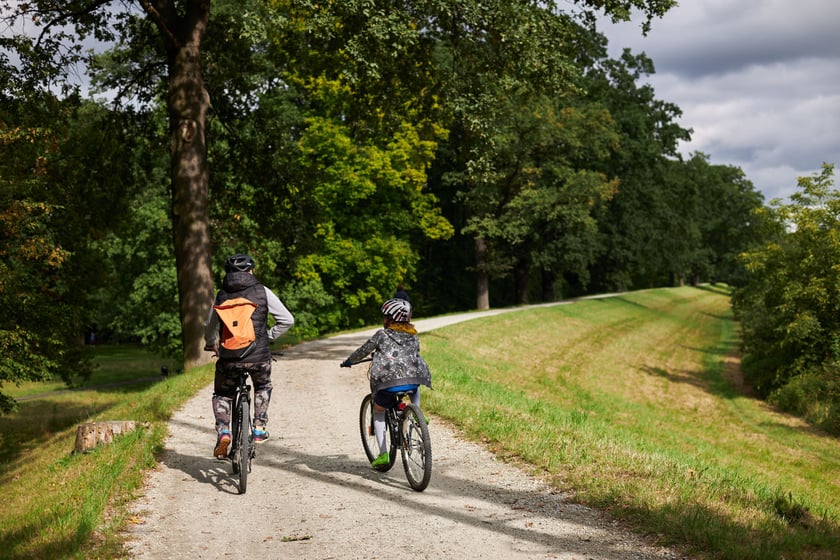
549 279
482 281
188 103
522 272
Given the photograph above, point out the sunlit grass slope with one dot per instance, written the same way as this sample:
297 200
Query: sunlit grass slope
634 403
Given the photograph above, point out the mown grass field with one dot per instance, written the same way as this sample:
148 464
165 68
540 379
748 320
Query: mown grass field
635 403
632 402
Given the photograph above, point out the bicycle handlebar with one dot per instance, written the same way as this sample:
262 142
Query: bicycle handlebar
274 353
355 363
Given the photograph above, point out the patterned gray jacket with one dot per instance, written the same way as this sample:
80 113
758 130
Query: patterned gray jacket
396 359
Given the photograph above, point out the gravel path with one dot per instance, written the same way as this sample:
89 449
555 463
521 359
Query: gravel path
312 494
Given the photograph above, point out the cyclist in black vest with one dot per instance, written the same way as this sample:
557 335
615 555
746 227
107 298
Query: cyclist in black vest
239 281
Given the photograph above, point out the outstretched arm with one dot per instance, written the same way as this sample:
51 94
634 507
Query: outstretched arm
362 351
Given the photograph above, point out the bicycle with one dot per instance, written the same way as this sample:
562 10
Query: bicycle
406 431
243 448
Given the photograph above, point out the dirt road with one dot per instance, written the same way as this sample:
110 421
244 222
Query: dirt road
312 494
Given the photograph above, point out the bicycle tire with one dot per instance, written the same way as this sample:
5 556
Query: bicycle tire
416 448
243 449
369 443
234 440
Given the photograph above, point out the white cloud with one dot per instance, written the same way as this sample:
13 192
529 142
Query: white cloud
757 80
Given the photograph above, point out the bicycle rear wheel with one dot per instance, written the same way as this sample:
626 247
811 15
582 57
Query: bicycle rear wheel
416 448
369 442
242 461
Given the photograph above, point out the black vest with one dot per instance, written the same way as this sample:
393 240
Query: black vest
243 284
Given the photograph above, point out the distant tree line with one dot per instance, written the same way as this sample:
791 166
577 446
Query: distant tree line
480 153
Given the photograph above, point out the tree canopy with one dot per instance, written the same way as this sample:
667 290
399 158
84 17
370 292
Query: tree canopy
481 153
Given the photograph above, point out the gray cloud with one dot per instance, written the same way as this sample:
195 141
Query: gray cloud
757 80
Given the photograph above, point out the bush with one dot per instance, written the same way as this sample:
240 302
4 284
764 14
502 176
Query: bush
815 396
788 307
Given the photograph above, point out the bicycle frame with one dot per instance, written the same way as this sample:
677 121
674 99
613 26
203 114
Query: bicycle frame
394 415
242 450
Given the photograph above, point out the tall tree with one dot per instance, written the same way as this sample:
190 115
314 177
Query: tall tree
713 221
638 221
510 51
543 219
52 46
188 103
497 52
788 308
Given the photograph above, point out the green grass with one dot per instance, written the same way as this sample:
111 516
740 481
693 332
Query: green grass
62 505
114 364
633 403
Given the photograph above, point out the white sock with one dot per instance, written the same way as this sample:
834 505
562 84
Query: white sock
379 430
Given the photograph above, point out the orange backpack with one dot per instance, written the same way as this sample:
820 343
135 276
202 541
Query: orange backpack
238 338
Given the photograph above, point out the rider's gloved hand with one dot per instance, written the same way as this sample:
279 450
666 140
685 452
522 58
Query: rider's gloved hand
346 363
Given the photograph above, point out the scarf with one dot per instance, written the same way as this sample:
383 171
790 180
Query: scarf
403 327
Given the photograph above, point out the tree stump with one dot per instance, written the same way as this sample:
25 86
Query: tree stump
93 434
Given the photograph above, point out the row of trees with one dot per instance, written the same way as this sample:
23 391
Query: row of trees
789 307
482 153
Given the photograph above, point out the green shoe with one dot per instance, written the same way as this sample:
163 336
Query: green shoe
382 461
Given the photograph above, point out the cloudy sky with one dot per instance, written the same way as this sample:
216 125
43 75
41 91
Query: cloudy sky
757 80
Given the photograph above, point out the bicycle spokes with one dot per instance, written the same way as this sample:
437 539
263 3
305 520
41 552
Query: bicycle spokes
416 448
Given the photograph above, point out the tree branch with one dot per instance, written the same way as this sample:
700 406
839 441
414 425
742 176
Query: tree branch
163 14
63 17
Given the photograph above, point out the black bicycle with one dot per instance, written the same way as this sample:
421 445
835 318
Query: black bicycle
406 431
242 446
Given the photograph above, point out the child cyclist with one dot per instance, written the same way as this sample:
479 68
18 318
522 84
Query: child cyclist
396 366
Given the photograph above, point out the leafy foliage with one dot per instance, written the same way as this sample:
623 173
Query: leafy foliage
789 307
47 270
370 200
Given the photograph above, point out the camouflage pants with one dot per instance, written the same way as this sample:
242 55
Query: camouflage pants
224 389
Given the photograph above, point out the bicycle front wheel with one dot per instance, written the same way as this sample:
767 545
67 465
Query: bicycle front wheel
243 446
416 448
369 442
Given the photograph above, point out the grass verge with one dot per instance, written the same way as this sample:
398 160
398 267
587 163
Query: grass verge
632 403
63 505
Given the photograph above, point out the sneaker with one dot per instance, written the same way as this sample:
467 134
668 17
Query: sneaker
260 434
222 445
382 461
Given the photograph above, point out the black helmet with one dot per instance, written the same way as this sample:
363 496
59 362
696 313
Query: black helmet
239 263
